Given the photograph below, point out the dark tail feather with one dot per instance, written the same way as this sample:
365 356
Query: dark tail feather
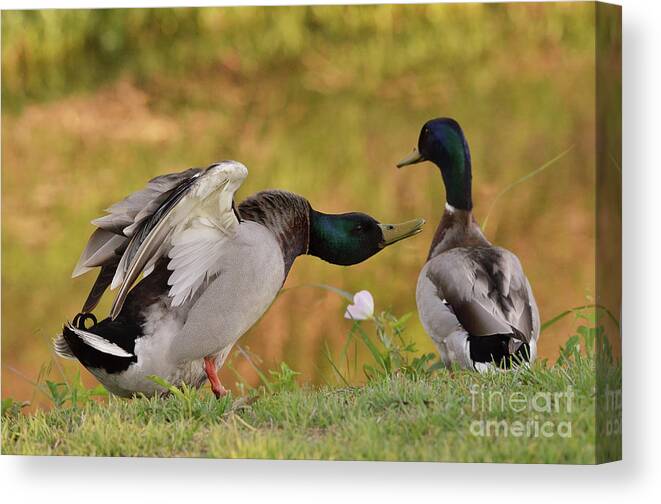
496 349
61 341
100 285
107 345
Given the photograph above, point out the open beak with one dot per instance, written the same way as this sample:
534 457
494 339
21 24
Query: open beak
392 233
413 158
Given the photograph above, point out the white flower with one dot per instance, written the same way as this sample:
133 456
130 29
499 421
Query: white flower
362 307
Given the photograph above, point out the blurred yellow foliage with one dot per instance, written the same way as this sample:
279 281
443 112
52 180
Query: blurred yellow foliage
321 101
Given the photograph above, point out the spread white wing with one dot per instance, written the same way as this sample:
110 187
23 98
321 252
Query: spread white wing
190 227
186 217
114 230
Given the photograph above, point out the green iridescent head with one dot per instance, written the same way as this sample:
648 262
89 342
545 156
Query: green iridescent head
443 143
351 238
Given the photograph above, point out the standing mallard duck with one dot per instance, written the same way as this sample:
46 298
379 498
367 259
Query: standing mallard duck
209 270
473 298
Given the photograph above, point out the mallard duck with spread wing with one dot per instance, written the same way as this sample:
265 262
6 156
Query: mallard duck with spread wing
473 298
209 271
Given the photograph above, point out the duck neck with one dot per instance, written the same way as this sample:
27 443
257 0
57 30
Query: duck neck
458 187
286 215
454 162
458 228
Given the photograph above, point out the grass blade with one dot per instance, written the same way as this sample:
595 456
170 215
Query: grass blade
263 378
520 181
343 293
372 348
563 314
329 358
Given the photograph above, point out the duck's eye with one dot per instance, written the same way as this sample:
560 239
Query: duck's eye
359 227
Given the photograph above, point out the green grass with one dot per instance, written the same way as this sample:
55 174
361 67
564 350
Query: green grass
406 411
394 418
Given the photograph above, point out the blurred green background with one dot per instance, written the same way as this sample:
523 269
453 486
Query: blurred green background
321 101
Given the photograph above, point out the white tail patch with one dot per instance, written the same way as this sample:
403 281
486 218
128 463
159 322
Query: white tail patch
61 347
485 367
99 343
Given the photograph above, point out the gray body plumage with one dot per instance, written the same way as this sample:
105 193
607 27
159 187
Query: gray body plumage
176 340
468 288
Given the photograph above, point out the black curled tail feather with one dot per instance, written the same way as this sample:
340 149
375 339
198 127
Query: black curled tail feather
120 334
79 320
61 344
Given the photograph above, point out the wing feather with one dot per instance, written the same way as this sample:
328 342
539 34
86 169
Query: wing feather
111 238
198 215
100 249
140 204
194 258
487 290
100 285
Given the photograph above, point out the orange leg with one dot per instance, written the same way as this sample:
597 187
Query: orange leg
210 370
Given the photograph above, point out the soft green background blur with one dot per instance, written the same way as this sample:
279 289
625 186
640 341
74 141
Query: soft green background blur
321 101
